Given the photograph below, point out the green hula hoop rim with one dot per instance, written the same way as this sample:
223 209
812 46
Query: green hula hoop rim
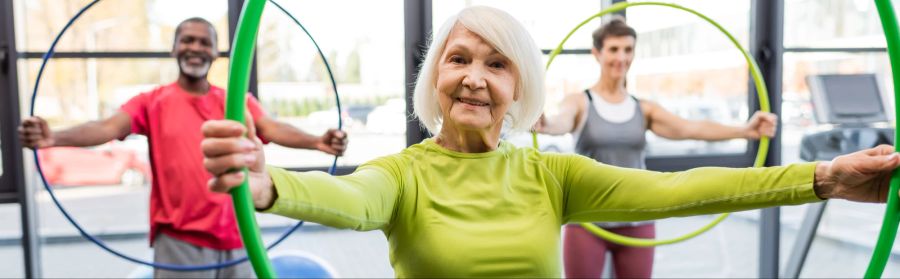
888 232
762 95
242 49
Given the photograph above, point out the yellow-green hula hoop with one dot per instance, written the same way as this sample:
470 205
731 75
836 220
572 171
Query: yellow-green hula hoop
761 91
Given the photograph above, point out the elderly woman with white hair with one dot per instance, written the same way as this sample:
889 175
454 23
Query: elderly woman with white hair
467 204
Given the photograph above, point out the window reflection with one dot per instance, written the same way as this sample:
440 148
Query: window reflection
847 231
691 69
547 23
797 112
367 61
832 23
147 25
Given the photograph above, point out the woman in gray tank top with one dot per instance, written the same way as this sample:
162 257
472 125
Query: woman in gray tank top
609 125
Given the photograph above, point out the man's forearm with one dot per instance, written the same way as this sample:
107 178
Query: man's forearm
290 136
87 134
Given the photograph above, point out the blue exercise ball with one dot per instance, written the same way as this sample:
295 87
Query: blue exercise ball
288 264
141 272
296 264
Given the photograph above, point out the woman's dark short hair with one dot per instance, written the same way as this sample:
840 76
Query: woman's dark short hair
616 27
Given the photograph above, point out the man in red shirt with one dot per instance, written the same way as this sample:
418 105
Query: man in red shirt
189 225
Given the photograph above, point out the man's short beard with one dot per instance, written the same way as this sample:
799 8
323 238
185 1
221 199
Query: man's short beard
193 72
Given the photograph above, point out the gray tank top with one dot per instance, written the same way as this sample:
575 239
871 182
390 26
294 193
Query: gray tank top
619 144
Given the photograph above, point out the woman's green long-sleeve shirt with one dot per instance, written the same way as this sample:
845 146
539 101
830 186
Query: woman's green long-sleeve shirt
451 214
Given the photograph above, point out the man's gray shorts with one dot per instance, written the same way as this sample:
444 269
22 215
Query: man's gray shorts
169 250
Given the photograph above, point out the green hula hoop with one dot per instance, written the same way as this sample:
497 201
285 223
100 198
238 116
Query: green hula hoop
242 53
761 91
891 217
238 79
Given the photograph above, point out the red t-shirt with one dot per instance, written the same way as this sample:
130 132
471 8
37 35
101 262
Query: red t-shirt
181 204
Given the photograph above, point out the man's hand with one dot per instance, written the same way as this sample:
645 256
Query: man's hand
34 133
333 142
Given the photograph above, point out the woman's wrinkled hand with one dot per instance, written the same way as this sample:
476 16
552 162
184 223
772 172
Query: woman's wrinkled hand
226 150
862 176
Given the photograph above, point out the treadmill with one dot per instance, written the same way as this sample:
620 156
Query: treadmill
853 107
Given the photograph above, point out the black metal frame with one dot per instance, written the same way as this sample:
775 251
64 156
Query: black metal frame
234 14
9 106
12 183
767 45
612 2
417 28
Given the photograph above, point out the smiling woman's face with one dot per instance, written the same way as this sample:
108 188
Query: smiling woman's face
616 56
475 83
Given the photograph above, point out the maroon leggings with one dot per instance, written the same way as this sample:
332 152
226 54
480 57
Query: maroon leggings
584 253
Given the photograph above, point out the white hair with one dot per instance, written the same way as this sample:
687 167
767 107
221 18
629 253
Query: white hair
509 37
